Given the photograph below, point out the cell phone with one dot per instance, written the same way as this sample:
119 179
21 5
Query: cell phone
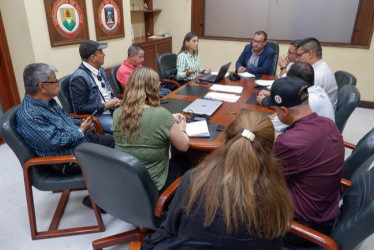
220 128
93 114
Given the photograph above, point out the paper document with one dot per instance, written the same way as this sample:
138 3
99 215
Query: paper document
222 97
246 75
216 73
197 129
227 88
264 82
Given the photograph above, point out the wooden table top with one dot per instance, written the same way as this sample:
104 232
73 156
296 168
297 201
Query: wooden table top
225 113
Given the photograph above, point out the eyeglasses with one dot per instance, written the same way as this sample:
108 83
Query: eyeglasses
291 53
298 55
57 81
258 42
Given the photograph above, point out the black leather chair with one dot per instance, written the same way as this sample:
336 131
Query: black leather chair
275 46
116 86
167 66
120 184
65 100
348 98
38 177
361 158
356 218
343 78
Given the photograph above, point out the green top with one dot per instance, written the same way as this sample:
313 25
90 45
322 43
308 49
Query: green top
152 147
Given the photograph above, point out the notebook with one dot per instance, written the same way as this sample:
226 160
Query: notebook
202 107
197 129
216 78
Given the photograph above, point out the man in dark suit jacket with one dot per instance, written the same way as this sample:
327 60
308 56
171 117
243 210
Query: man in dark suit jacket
257 57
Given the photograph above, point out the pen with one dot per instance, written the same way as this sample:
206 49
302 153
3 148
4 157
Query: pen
164 101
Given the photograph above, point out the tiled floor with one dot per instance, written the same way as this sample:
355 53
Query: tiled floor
14 226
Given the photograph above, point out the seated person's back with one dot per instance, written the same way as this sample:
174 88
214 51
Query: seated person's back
236 198
144 129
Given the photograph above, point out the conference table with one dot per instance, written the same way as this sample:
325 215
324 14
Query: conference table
186 94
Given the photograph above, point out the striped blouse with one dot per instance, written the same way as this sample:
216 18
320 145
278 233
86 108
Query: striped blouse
187 61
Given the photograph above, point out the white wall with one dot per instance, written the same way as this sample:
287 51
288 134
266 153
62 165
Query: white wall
28 38
176 19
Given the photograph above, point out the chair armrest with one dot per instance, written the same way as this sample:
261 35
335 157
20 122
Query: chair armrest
171 81
163 199
48 160
95 120
135 245
313 236
344 183
349 145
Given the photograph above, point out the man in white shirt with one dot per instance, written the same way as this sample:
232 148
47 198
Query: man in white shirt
319 102
287 60
310 51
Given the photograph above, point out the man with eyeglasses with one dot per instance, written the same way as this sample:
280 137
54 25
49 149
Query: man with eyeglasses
257 57
310 51
287 60
45 126
89 86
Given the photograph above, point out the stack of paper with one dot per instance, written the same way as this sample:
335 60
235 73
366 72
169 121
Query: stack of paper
197 129
246 75
264 82
216 73
222 97
227 88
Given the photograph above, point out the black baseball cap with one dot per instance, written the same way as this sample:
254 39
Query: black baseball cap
288 92
88 47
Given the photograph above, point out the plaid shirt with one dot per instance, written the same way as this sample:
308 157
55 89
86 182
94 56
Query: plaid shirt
47 128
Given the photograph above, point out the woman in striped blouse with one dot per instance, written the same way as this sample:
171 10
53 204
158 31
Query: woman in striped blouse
188 61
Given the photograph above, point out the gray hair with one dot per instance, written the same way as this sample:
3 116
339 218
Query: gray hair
34 74
133 50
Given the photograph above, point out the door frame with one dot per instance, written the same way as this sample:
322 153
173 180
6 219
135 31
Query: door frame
9 95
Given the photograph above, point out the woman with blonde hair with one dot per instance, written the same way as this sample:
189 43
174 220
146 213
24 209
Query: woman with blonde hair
145 130
237 198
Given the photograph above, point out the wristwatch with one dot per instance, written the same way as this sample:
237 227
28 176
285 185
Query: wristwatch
282 68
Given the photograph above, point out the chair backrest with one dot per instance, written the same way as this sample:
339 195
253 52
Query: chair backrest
64 94
40 179
275 46
8 130
166 64
348 98
343 78
361 158
119 183
116 86
357 213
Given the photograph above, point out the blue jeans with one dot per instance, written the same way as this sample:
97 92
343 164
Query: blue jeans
163 92
106 122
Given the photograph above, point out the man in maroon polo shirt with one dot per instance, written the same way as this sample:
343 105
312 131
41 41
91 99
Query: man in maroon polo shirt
311 154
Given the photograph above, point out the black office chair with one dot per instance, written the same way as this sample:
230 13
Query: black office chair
361 158
116 86
121 185
167 68
348 98
355 222
37 176
275 46
65 100
343 78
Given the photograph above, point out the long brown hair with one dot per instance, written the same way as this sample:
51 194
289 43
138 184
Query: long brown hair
242 181
141 89
187 38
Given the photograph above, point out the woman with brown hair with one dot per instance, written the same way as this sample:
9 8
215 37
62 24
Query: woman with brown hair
237 198
188 60
145 130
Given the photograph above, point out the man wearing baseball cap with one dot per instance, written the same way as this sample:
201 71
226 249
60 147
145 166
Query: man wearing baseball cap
89 86
311 154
